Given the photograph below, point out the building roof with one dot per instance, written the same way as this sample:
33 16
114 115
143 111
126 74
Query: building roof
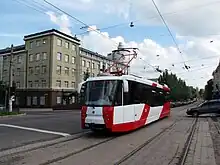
99 55
94 53
48 32
15 49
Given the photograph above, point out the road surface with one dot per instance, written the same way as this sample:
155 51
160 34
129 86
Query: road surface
175 140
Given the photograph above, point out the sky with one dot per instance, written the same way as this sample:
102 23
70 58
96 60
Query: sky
195 27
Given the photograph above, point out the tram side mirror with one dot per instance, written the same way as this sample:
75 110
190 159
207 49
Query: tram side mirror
125 85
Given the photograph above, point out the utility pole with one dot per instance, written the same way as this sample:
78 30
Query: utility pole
10 80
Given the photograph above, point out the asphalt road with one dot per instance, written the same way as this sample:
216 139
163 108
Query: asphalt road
42 126
52 124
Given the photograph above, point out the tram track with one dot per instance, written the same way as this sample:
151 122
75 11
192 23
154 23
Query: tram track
60 158
146 143
158 137
216 123
39 145
188 142
82 138
77 152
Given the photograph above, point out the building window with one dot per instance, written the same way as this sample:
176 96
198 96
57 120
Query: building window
37 70
93 75
42 100
66 58
31 57
98 66
88 64
83 63
38 43
73 47
28 101
58 69
73 60
44 41
19 59
37 56
83 53
59 56
73 84
93 65
5 58
66 71
73 100
44 84
36 82
34 100
67 45
30 84
58 83
18 84
73 71
18 71
59 42
30 69
44 69
66 84
59 100
44 55
31 45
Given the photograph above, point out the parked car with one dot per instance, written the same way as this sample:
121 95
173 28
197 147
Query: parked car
211 106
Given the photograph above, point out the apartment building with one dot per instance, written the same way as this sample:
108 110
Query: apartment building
18 65
93 62
49 67
216 79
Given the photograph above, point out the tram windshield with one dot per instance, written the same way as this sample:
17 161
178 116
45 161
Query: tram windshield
102 92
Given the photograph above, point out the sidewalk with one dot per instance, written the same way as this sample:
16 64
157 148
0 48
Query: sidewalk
201 149
36 109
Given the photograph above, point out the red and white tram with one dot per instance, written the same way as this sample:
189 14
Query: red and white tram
122 103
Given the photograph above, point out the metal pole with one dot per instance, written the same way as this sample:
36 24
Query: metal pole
10 80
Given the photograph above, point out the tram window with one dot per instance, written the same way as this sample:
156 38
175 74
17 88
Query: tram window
138 93
158 97
118 94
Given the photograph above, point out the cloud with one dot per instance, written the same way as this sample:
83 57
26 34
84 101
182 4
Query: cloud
195 24
61 20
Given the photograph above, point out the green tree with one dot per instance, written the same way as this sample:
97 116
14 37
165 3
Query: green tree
201 93
86 75
208 90
179 90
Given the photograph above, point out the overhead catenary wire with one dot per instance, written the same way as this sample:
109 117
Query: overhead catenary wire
167 28
27 5
153 17
87 25
78 20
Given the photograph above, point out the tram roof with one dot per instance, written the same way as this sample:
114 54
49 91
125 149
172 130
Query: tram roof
129 77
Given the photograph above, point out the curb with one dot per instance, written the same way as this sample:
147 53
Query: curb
7 116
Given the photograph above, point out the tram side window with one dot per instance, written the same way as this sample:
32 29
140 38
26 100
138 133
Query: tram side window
133 90
145 93
138 93
118 94
158 97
